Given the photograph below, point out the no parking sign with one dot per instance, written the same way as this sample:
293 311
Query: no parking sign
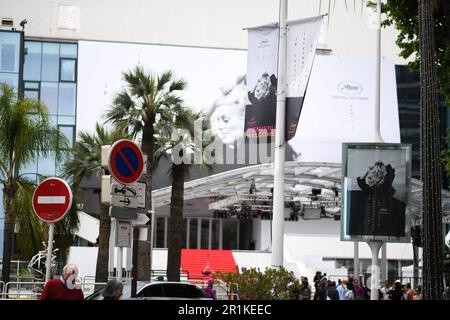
126 161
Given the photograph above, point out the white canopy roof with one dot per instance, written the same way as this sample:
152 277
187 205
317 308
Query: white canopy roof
300 179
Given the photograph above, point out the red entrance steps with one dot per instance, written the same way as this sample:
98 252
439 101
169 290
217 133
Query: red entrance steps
196 261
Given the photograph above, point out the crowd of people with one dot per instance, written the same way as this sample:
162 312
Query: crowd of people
353 289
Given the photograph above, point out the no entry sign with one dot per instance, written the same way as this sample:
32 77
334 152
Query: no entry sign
52 199
125 161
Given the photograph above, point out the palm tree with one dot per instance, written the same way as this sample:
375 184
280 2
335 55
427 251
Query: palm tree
430 159
25 135
85 163
176 137
145 99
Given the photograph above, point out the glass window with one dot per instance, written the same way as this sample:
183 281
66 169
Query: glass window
9 51
215 234
68 70
69 132
32 68
49 96
204 234
66 120
50 61
193 231
12 79
47 166
67 98
31 85
32 94
230 233
68 50
8 58
159 232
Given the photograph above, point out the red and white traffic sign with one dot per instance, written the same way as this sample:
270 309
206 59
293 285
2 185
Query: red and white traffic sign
126 161
52 199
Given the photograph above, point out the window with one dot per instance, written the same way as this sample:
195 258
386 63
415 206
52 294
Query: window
32 68
12 79
50 61
68 50
47 166
193 231
69 132
152 291
215 234
204 234
67 99
8 58
66 120
230 234
67 71
49 96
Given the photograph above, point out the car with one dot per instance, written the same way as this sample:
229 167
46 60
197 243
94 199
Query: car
158 290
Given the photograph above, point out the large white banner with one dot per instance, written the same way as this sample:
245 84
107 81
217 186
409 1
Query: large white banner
301 47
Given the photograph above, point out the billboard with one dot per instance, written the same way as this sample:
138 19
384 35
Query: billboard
338 107
375 192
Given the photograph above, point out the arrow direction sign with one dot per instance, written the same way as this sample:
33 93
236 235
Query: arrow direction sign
124 201
132 190
142 220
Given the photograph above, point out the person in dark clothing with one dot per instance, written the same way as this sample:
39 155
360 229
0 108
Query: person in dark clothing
262 111
317 278
332 293
113 290
321 293
396 293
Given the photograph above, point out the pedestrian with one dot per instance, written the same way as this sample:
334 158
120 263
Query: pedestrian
341 289
418 295
409 292
317 278
321 292
209 290
396 293
332 293
385 291
113 290
64 287
358 290
305 290
349 294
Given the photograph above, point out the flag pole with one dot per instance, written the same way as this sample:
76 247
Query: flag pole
278 180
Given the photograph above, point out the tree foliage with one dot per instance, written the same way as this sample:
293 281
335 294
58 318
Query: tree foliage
252 284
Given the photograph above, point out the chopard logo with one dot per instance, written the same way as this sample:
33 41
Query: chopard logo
351 88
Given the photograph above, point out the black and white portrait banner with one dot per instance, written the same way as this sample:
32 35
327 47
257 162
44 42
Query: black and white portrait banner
262 60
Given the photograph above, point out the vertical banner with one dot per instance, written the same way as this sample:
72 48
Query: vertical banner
262 60
375 192
301 47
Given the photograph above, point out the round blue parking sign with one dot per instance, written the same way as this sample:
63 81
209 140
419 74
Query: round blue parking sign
125 161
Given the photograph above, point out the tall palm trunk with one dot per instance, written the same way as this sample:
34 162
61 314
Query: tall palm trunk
175 230
430 158
8 195
101 272
147 148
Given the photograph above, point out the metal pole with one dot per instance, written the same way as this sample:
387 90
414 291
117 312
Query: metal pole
384 265
377 134
51 230
119 263
356 260
375 277
112 240
278 180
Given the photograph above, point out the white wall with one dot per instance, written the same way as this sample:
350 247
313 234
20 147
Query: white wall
204 23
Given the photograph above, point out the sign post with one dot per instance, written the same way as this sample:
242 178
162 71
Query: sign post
126 164
51 202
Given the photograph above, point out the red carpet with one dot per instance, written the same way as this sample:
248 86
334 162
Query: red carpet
196 261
